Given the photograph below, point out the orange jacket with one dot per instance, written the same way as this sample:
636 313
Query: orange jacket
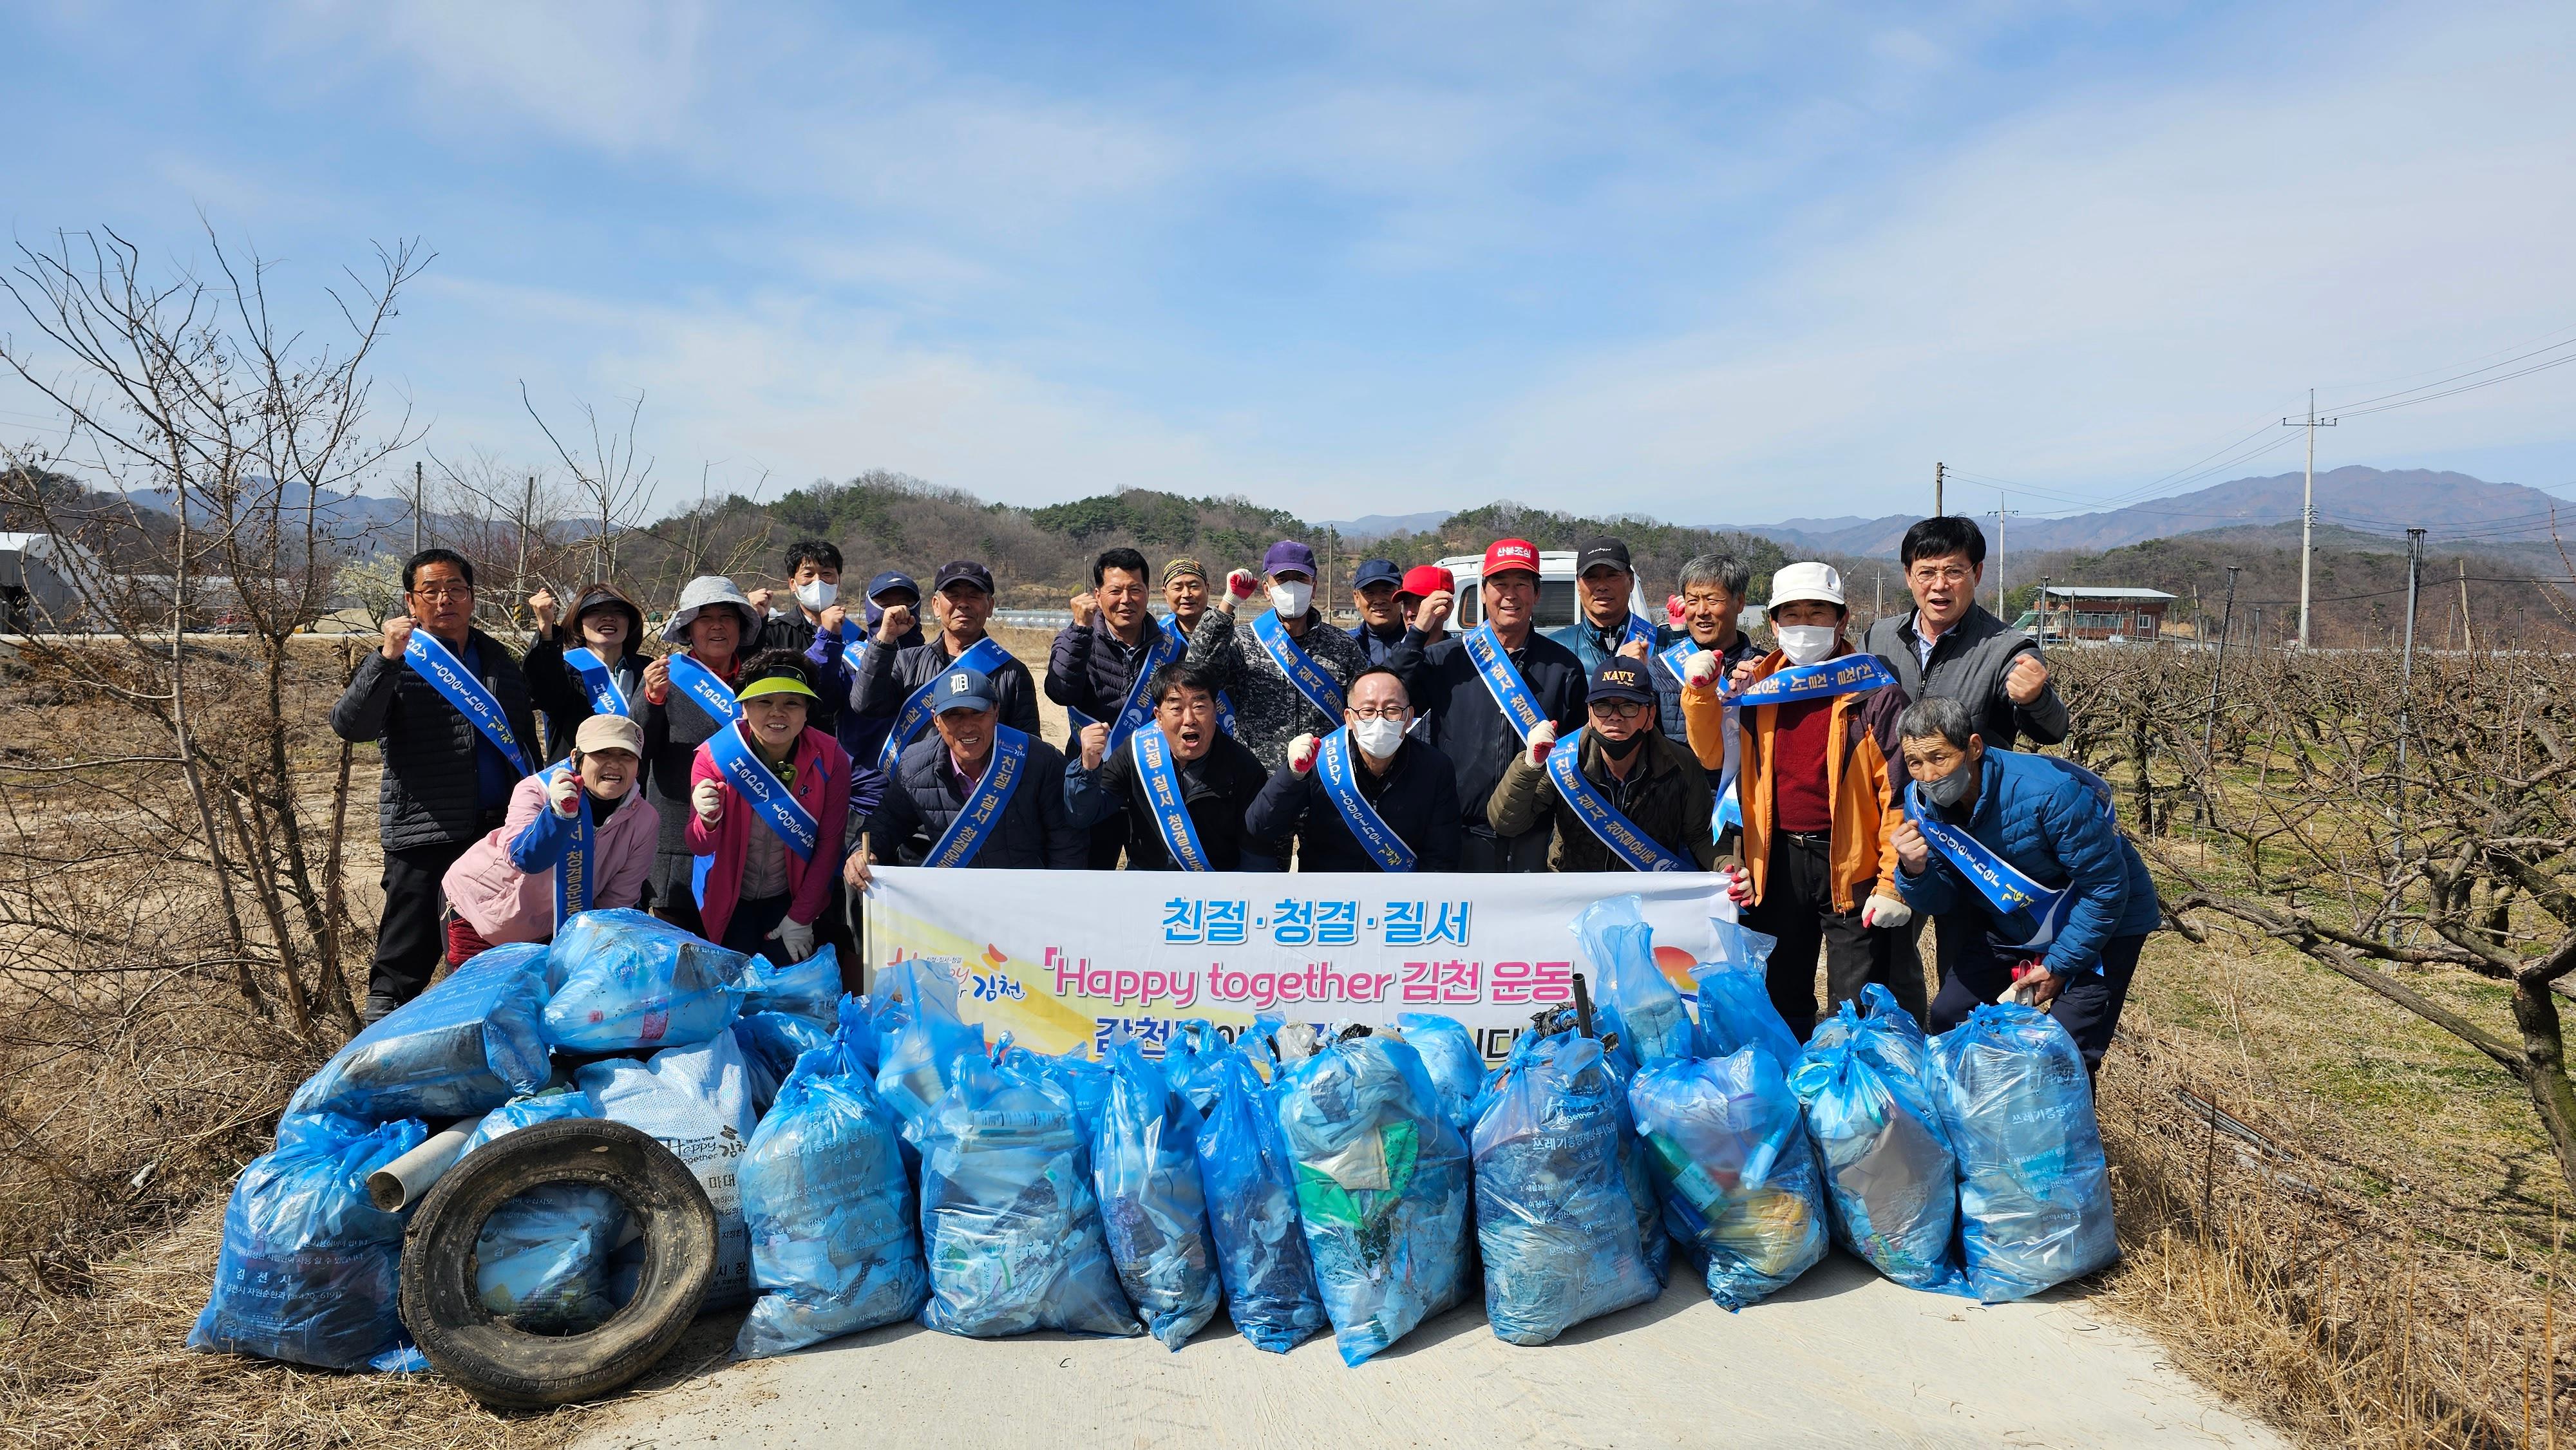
1866 805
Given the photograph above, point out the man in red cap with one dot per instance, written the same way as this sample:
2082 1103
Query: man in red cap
1486 692
1420 583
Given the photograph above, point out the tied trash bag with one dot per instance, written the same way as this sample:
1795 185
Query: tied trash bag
2034 1193
546 1260
1008 1224
919 1035
1251 1187
1084 1081
1449 1055
627 982
1146 1164
1740 1189
1735 1008
527 1112
1553 1215
1887 1159
1382 1189
461 1048
771 1043
1636 1000
810 989
308 1265
829 1208
697 1101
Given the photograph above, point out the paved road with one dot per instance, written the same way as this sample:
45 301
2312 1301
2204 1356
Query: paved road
1842 1358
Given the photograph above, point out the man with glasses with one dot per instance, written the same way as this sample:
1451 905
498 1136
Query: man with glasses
453 712
1380 801
1620 794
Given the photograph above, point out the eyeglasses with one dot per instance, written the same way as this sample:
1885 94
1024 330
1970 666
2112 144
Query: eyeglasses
443 591
1708 601
1619 709
1940 573
1390 712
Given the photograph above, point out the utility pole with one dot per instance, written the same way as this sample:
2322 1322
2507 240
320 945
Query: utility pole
2218 671
2043 613
2308 509
1940 476
2468 637
415 506
2000 513
2406 680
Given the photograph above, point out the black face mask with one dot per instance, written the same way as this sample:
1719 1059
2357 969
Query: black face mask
1622 749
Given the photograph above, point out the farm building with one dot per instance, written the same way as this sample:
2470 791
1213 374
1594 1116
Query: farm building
2085 611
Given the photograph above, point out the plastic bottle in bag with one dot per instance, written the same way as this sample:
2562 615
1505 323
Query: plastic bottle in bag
1735 1009
461 1048
2034 1191
1740 1188
625 981
1553 1214
1251 1186
1887 1159
926 1036
1449 1055
1145 1163
1635 999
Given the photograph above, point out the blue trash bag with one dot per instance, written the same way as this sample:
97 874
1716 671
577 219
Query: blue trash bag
1008 1224
1145 1165
912 1063
771 1044
1735 1008
1645 1195
307 1272
1632 997
628 982
463 1047
1888 1166
1195 1041
1251 1187
810 989
543 1260
526 1112
1449 1055
1740 1188
1382 1189
697 1101
1084 1081
830 1211
1553 1216
2034 1192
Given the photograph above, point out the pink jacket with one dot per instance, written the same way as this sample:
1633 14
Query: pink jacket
504 903
822 787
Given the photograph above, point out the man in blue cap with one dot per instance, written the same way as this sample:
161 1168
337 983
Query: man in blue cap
1286 670
1373 593
971 791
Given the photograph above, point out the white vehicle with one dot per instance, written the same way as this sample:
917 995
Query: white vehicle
1556 606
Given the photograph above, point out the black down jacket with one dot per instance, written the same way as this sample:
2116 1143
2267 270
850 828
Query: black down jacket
1035 830
432 792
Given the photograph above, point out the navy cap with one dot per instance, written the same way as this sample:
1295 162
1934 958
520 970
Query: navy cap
1621 679
961 689
962 571
1376 571
892 579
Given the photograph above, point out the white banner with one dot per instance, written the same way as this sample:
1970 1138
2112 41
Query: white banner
1061 958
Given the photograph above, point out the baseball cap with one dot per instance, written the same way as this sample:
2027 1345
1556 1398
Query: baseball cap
1809 580
1602 550
962 571
962 690
777 680
1620 679
1376 571
609 732
1504 555
1288 555
892 579
1424 580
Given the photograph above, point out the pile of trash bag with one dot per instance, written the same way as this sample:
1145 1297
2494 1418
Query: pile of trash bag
465 1046
1634 998
697 1101
1449 1055
1553 1213
2034 1192
1251 1187
1741 1193
810 989
1145 1162
624 981
1865 1082
1382 1189
1735 1009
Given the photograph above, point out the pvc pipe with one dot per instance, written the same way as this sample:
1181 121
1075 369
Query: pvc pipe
401 1183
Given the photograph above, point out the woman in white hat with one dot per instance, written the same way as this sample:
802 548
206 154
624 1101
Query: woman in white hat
712 626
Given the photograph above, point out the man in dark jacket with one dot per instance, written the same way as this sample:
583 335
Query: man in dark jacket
1637 770
1373 593
1412 787
445 782
1105 791
606 623
811 625
1604 627
961 598
1466 725
1714 588
1096 658
937 779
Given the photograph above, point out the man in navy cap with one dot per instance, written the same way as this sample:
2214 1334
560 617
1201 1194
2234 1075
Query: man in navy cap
1288 676
1621 794
1604 627
971 791
1374 587
892 682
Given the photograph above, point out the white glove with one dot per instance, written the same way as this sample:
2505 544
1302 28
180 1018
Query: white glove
1302 752
709 801
797 937
1700 670
1884 911
562 792
1541 741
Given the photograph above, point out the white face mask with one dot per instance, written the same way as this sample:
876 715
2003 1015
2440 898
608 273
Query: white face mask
1290 598
817 594
1805 644
1377 739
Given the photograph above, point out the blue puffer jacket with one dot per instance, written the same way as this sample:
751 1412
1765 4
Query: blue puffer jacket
2045 820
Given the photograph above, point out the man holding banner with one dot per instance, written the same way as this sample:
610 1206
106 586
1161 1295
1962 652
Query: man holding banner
1287 679
686 699
894 684
973 792
578 836
451 707
1486 691
591 666
769 798
1172 790
1102 665
1621 794
1366 797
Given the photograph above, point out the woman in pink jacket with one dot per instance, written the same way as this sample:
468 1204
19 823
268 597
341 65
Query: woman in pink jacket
768 800
503 889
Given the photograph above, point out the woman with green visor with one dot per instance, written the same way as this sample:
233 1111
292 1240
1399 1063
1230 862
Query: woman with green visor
768 799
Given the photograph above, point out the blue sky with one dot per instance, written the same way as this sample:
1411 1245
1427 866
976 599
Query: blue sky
1709 263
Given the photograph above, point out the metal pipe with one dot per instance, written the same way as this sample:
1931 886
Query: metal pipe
401 1183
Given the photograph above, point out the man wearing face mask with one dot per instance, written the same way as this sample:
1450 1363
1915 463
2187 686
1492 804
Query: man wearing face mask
1815 727
1621 795
1126 787
2026 847
1287 669
811 620
1366 797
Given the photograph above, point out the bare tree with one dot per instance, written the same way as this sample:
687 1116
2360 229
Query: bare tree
501 514
608 476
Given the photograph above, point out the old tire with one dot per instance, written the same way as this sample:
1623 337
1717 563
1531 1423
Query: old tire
505 1368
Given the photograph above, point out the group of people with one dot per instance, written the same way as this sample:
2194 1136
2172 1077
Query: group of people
1842 791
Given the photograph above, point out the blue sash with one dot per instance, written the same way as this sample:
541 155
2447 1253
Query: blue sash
572 872
1337 770
703 688
455 684
1298 666
965 835
769 798
1137 709
598 681
1224 702
1502 680
984 656
2001 883
1160 780
1630 845
1727 811
1638 630
1842 676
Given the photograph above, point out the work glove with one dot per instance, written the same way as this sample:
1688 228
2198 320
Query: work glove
798 938
1700 670
708 801
1302 752
563 792
1884 911
1240 583
1541 741
1739 884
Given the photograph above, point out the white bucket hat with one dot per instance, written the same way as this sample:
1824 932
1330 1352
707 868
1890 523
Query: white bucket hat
1808 580
705 592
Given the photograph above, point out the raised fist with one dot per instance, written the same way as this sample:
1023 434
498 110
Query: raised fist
563 792
1086 607
1095 745
542 605
1302 752
708 801
1743 676
1700 670
1913 853
759 600
1238 588
894 623
1634 649
2026 678
1541 741
1433 612
657 680
830 621
397 634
